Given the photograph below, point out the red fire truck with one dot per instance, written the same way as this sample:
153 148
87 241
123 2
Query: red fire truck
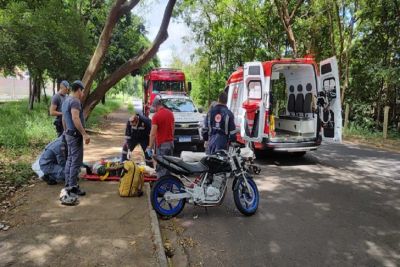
163 80
286 104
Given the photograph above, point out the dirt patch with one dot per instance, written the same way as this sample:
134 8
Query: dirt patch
389 145
103 230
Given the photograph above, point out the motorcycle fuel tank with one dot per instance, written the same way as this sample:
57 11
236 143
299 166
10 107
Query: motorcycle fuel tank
217 163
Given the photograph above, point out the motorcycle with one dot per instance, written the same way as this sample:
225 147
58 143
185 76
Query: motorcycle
170 193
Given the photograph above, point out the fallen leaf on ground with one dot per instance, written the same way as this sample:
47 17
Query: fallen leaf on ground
187 242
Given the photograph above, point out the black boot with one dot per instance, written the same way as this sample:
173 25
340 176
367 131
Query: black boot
77 191
48 180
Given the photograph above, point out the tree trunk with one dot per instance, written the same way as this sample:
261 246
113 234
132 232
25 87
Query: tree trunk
36 89
133 64
31 94
54 86
348 51
341 38
287 21
44 91
332 33
118 9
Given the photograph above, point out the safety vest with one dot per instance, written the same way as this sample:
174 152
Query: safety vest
218 120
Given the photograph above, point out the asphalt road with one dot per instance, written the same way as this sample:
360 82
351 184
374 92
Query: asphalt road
338 206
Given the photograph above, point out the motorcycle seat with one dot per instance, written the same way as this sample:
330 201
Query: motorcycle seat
197 167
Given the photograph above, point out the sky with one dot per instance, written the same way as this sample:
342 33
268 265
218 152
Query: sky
153 13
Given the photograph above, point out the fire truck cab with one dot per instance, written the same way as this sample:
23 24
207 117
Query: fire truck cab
286 104
162 80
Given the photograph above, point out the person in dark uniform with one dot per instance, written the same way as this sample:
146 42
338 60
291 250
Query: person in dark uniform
52 161
162 134
56 103
137 131
219 126
75 135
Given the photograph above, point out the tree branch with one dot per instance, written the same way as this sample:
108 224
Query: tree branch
254 27
129 6
132 64
102 47
299 3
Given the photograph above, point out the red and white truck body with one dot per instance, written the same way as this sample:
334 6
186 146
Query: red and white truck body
163 80
298 124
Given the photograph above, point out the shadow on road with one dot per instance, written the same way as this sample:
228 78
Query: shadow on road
310 214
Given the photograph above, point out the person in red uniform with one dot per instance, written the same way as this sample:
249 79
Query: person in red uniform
161 134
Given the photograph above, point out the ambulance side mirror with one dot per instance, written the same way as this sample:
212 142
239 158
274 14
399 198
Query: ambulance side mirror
189 87
201 110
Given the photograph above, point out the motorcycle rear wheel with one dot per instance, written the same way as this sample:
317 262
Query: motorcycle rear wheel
246 202
164 209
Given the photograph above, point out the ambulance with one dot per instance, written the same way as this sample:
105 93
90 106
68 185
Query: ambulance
289 105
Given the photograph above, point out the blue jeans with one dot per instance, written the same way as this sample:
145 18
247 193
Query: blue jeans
216 142
74 160
165 149
54 171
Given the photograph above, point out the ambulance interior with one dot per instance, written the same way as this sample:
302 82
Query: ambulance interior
293 93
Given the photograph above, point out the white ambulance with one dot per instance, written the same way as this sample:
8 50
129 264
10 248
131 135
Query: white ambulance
286 104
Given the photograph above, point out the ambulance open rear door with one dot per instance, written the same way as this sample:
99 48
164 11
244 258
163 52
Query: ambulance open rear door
254 96
329 101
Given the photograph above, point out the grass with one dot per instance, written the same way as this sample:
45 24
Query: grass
130 108
372 137
21 128
24 133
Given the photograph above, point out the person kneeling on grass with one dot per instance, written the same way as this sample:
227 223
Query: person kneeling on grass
52 161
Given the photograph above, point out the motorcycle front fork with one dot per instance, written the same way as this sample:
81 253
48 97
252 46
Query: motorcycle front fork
243 174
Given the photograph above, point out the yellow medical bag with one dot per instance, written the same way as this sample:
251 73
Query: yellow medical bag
132 180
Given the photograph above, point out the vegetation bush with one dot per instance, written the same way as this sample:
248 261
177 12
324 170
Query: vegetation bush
21 128
24 133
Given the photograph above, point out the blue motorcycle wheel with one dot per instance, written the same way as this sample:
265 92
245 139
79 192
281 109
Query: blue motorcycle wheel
246 202
164 209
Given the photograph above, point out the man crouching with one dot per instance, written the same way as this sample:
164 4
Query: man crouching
137 131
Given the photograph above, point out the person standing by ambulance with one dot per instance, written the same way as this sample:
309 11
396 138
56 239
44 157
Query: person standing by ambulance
137 131
161 134
75 135
56 103
219 126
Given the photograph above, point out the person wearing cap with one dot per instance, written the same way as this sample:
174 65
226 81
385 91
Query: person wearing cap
75 135
56 103
161 134
137 131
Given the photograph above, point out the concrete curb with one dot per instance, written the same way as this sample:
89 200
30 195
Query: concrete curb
155 228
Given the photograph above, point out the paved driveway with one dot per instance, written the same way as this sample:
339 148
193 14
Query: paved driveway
338 206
